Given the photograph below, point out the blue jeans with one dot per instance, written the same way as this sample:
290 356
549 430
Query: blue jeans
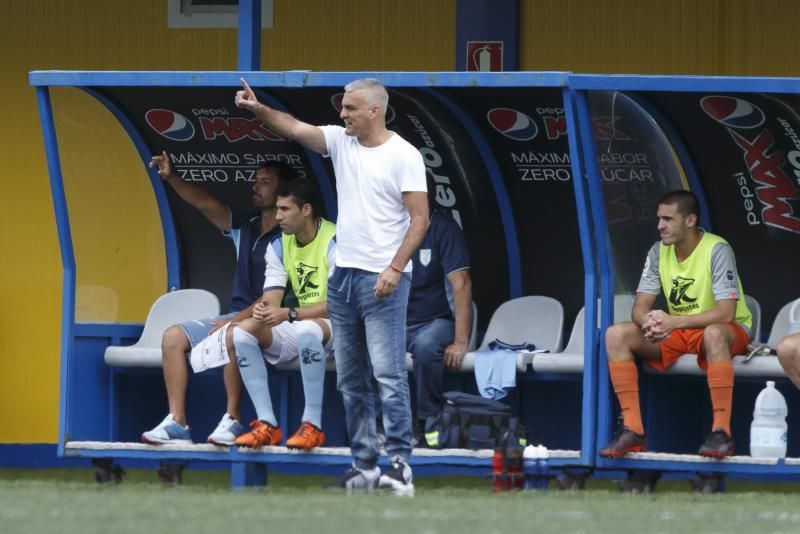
371 338
426 343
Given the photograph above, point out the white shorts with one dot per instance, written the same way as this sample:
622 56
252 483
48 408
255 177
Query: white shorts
284 340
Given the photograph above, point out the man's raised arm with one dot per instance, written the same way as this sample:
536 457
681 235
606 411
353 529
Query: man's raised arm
281 123
215 211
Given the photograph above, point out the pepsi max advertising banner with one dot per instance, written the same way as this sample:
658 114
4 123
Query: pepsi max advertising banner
213 144
524 132
746 149
492 154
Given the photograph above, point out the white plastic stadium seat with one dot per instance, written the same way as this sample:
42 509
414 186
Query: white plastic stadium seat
533 319
571 360
473 333
172 308
755 310
780 326
766 365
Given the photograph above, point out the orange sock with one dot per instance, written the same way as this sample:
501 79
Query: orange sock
625 379
720 385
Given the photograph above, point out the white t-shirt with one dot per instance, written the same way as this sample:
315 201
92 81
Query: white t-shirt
370 183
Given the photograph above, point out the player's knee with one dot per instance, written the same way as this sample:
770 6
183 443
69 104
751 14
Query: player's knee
309 347
309 335
174 340
715 334
241 340
616 337
250 326
715 339
309 342
308 328
789 352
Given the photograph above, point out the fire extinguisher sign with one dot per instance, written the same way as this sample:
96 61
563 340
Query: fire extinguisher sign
485 56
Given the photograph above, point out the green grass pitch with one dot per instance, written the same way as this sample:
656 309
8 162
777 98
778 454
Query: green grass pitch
67 501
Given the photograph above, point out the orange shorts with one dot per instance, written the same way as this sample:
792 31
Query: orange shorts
690 341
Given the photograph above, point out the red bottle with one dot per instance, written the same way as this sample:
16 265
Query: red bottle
500 480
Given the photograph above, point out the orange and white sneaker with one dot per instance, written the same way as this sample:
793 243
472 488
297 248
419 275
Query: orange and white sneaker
307 437
260 434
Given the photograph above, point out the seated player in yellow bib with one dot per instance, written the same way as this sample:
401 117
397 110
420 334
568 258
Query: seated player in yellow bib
302 258
706 316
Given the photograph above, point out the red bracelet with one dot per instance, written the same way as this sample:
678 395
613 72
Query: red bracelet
395 269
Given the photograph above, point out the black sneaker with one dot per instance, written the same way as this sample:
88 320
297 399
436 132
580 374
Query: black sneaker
624 441
357 479
718 444
398 478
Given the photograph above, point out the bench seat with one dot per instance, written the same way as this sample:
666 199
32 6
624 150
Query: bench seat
766 366
132 356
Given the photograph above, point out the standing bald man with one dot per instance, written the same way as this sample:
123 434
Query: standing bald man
383 217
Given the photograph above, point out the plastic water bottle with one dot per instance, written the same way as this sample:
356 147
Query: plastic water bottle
544 464
535 461
530 466
768 430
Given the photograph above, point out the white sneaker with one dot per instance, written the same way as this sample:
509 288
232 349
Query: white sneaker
399 478
358 479
168 431
226 432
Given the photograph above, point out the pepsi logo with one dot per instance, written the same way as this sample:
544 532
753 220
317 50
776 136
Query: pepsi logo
513 124
171 125
336 102
732 112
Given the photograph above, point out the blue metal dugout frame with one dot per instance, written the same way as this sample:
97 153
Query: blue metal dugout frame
593 225
581 85
113 333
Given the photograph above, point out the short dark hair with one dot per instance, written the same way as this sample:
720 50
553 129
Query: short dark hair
303 191
286 172
685 200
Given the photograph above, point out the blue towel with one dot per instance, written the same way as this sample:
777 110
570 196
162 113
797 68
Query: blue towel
495 372
498 344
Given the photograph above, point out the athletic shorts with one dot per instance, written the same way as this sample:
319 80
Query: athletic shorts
198 329
284 342
690 341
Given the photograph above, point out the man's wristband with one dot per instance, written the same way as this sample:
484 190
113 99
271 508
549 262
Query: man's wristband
395 269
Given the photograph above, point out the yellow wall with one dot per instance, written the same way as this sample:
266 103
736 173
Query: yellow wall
344 35
711 37
117 237
103 175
